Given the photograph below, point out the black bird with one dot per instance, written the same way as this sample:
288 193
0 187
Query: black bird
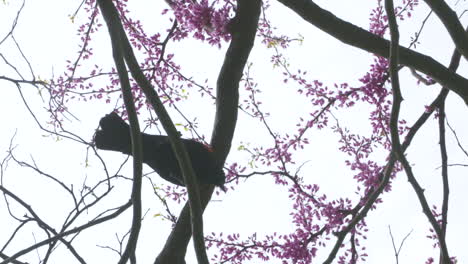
157 152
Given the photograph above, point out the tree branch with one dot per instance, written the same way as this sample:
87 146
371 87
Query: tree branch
452 24
135 134
395 139
63 234
445 182
360 38
399 152
454 63
243 29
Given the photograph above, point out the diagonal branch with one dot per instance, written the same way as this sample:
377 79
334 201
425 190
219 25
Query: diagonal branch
360 38
452 24
43 225
137 149
61 235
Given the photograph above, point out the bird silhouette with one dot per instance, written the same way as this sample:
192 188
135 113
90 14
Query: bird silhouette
158 154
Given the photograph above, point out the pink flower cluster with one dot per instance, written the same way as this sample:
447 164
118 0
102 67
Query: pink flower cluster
206 22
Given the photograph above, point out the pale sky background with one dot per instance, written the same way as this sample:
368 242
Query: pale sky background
48 38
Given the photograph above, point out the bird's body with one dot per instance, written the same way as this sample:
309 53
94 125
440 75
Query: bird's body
158 154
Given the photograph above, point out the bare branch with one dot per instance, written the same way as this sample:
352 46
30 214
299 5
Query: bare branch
59 236
395 250
456 138
13 26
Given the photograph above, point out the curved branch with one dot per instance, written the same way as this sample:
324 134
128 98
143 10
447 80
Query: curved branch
137 148
445 180
360 38
454 63
243 29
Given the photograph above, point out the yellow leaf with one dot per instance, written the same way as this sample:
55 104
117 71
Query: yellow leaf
272 43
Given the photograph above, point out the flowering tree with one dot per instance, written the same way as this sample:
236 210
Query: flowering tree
148 79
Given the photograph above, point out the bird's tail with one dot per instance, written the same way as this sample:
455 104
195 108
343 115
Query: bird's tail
114 134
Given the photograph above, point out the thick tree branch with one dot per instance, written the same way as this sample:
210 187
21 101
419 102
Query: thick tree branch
137 148
115 28
3 256
360 38
176 244
243 29
452 24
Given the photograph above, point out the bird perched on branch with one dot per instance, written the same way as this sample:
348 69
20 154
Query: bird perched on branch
157 152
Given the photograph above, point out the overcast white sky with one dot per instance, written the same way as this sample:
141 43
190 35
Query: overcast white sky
48 38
